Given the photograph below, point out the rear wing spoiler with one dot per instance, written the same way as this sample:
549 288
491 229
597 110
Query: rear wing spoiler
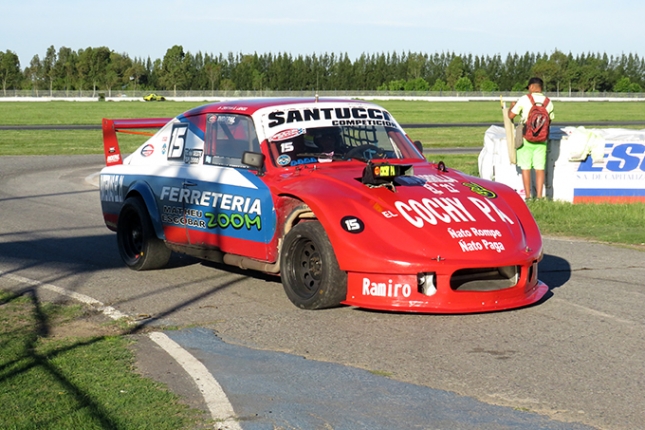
113 126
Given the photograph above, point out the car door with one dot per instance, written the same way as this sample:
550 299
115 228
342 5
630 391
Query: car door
228 207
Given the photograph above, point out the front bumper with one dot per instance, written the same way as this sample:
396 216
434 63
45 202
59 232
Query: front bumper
404 293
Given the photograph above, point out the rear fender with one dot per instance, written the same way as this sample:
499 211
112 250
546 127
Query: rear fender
144 191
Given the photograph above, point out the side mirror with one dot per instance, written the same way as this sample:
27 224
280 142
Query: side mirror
254 159
419 146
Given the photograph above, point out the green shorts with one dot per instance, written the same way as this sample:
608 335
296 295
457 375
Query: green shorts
532 156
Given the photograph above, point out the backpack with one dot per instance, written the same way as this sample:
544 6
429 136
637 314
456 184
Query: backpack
537 125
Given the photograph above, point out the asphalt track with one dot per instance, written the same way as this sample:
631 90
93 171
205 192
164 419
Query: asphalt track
573 361
276 390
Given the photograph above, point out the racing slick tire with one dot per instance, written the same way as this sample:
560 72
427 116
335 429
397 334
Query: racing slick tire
138 245
310 273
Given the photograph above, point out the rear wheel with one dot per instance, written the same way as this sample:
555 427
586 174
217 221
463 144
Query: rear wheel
138 245
310 273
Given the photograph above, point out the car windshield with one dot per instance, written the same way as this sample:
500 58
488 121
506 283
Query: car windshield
340 143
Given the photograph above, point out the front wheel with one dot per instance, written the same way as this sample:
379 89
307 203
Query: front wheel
310 273
138 245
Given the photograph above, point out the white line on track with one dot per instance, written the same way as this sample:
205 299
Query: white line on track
107 310
215 398
218 404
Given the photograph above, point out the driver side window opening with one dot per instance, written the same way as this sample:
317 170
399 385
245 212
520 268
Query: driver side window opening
227 137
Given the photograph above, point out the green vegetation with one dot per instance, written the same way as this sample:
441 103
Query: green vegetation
487 112
50 377
103 71
406 112
84 113
31 142
490 112
614 223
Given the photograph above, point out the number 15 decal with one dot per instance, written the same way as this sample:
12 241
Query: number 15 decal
351 224
177 141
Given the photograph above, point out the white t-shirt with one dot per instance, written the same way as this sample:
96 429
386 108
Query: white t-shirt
523 106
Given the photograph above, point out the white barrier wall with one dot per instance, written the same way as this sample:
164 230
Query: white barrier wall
583 165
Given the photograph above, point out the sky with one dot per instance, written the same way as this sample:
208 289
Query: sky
148 28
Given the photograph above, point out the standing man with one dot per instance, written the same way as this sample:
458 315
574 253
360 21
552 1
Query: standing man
532 155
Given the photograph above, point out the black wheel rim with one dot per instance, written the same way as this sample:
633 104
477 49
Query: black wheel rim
308 268
133 237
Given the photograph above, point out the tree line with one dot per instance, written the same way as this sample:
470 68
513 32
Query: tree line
102 69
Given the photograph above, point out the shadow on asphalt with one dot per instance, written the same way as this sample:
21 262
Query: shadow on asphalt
554 271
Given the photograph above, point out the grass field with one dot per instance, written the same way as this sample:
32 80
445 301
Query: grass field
60 369
406 112
487 112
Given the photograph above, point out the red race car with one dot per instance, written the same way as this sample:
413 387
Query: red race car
331 195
